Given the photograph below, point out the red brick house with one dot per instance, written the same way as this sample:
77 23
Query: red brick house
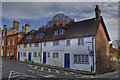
10 37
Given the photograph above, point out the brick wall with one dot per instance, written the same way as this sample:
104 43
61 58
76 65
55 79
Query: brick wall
17 38
102 50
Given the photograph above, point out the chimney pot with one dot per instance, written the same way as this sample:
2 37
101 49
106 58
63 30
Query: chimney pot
5 26
110 45
27 27
57 22
28 23
23 28
97 12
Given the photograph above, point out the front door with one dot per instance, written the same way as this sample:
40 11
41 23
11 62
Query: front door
29 56
18 55
67 60
44 57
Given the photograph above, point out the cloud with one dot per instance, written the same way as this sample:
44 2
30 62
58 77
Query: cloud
60 0
79 11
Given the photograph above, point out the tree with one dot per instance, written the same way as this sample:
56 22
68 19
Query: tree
111 55
116 43
61 18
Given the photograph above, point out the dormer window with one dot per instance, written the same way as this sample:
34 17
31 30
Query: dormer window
59 31
29 37
56 32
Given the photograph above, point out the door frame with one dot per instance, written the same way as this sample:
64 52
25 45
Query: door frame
29 58
68 64
44 57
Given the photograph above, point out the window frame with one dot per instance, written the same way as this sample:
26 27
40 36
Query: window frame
3 42
25 45
36 44
68 42
13 41
81 59
56 43
34 54
9 41
55 55
49 54
80 41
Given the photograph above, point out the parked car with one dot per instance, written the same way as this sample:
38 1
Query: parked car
12 57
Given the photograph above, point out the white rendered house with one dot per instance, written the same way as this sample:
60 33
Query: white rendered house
69 45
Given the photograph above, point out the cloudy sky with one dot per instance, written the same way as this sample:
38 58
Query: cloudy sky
39 13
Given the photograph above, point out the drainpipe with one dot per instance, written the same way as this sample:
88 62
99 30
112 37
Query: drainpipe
41 53
93 53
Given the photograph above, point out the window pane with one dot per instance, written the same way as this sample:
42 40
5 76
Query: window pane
53 55
36 44
82 58
75 58
79 58
48 54
87 57
57 55
35 54
24 54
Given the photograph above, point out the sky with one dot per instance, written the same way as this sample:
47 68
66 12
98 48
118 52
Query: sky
39 13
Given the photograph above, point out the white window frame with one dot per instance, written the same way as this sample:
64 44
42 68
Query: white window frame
3 42
83 59
8 53
34 54
56 55
13 41
9 41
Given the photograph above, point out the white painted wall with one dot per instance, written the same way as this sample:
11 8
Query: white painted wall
74 48
62 49
30 50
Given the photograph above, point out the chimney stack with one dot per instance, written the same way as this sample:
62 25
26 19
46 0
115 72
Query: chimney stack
43 28
57 22
23 28
97 12
5 26
15 25
27 27
110 45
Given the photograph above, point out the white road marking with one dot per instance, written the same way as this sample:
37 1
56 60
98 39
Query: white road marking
71 73
49 70
57 71
48 76
42 69
66 73
35 67
31 71
15 76
76 75
9 75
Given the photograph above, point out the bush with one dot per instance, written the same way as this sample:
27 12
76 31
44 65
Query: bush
117 56
31 61
111 55
25 60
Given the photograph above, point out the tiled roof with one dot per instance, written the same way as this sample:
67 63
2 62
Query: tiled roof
83 28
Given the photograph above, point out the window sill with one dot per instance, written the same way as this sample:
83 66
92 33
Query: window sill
80 63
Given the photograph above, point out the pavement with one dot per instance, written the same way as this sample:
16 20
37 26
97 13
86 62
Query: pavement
20 70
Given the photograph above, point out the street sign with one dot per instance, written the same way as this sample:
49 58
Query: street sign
91 53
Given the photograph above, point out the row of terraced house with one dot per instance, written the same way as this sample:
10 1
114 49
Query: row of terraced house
81 45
